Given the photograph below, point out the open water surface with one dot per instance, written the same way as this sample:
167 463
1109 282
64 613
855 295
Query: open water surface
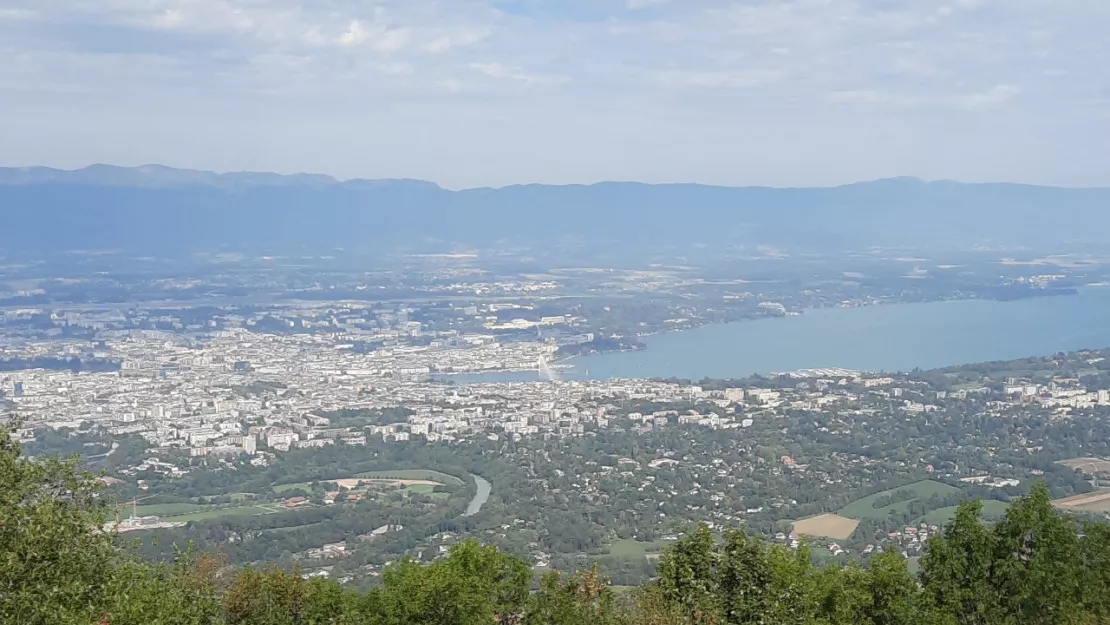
892 337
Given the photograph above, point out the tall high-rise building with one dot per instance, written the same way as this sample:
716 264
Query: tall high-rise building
19 389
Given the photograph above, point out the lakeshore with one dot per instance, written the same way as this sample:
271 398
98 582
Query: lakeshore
888 337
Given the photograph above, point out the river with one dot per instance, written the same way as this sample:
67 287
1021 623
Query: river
480 498
890 337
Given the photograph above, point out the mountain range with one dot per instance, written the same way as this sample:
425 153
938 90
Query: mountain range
155 209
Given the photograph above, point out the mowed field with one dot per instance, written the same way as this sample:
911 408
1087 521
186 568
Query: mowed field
992 511
415 481
1088 466
185 512
415 485
1098 501
826 526
217 513
162 509
632 549
863 508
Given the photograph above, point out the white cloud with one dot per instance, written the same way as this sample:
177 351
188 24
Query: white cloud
442 44
18 14
635 5
870 96
741 78
497 70
995 95
494 70
461 39
395 68
355 35
377 37
652 93
453 85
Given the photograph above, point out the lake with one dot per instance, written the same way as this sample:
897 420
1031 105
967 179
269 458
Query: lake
892 337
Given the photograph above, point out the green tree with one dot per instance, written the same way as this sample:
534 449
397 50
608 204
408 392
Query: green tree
1095 554
687 576
955 571
474 585
56 561
891 589
277 597
841 595
739 580
179 594
583 599
1037 573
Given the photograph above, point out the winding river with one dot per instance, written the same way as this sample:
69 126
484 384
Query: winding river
480 498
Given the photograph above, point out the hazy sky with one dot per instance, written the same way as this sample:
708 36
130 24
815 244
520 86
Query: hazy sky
472 92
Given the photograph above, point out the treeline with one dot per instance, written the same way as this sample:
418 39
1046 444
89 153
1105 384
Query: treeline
898 496
600 345
57 567
358 417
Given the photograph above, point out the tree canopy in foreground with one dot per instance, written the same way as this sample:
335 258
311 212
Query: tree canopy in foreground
59 566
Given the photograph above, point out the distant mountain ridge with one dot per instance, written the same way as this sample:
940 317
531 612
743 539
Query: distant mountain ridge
160 176
160 210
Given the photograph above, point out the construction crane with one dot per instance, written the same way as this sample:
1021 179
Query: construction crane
134 508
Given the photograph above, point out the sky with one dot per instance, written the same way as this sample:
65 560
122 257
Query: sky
493 92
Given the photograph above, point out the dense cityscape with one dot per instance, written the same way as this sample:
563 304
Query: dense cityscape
338 436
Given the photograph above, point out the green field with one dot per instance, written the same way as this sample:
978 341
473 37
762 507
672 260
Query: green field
420 489
399 474
162 509
862 508
412 474
217 513
423 489
992 511
281 488
240 498
184 512
629 548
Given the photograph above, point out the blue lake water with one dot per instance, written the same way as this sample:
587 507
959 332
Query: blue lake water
894 337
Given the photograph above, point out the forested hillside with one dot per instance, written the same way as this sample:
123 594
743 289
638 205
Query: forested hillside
59 567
